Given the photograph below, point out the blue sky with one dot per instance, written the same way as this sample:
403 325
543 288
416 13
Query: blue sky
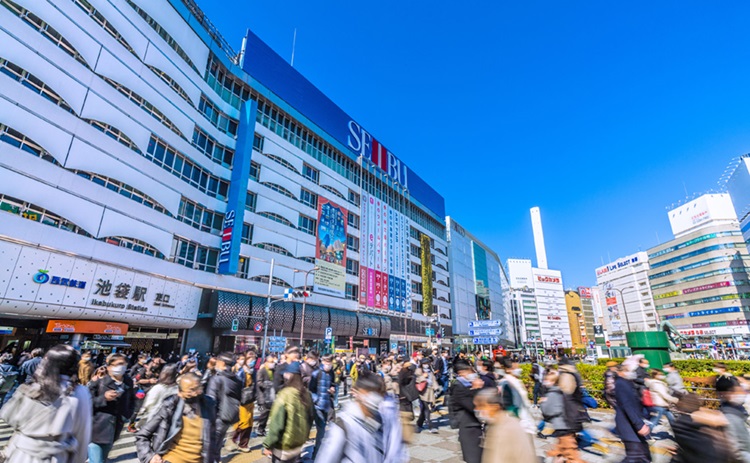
603 114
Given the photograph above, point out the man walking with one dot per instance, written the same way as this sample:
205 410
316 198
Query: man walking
226 390
631 424
462 394
321 388
113 399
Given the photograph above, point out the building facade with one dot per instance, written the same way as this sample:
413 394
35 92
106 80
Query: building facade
589 319
153 176
626 296
738 187
700 280
479 286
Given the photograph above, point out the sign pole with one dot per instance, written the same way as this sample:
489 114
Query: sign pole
267 311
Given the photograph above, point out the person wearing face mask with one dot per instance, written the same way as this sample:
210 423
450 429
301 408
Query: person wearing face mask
661 399
515 396
290 355
245 372
85 369
484 370
113 398
182 430
408 396
674 381
291 419
428 387
367 429
505 439
321 388
734 411
311 363
226 390
630 421
461 411
725 381
265 393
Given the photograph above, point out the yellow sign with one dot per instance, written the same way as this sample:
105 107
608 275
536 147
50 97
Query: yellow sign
665 295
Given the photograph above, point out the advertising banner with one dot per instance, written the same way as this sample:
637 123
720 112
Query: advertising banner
330 249
426 275
86 327
378 235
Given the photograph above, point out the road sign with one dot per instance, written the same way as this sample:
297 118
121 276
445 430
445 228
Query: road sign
258 327
329 333
484 323
235 325
290 293
608 343
486 340
486 332
429 332
591 344
394 346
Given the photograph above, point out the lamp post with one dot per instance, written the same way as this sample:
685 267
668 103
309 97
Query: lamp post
622 298
304 302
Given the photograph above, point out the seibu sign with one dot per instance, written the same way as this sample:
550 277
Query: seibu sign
361 142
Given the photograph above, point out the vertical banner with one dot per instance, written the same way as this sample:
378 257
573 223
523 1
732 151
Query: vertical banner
424 241
363 248
405 272
231 229
330 249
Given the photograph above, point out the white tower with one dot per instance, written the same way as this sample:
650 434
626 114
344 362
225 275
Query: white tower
536 225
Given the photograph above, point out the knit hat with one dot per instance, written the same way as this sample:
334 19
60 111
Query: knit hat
293 368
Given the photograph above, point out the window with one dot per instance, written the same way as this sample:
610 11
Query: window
416 306
164 35
307 224
276 218
144 105
414 233
194 255
171 160
308 198
309 260
281 161
250 201
352 267
352 292
273 248
415 250
122 189
115 134
258 142
416 269
200 217
310 173
37 214
354 198
254 170
214 150
134 245
33 83
21 141
352 219
279 189
45 29
172 84
102 21
243 268
416 287
219 119
231 89
247 233
352 243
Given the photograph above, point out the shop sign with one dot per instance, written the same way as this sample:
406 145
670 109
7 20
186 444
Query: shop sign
146 335
696 289
86 327
547 279
108 337
106 288
617 265
7 330
43 277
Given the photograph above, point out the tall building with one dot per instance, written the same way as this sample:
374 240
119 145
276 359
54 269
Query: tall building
738 187
587 307
700 279
155 180
479 285
575 319
626 296
546 317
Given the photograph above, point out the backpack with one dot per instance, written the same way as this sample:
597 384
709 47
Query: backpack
452 415
575 412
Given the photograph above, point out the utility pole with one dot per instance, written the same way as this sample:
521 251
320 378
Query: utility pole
304 303
268 310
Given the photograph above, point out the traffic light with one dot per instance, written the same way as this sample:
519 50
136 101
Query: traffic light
442 332
295 294
235 325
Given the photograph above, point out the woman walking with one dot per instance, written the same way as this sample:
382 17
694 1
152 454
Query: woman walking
246 374
291 419
51 415
166 387
427 386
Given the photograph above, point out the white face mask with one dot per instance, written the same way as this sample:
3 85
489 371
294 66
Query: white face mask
471 377
631 375
548 383
371 401
117 371
327 367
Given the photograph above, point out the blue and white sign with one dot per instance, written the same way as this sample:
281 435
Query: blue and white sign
486 332
429 332
484 323
329 333
487 340
276 343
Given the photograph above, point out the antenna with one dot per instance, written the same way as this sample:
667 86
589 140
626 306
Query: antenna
683 186
294 45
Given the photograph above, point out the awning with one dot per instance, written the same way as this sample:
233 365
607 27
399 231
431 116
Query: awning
113 344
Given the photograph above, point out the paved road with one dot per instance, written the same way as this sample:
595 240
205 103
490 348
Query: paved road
429 448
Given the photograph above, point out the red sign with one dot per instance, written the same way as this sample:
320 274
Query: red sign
696 289
547 279
608 343
258 327
585 292
86 327
611 301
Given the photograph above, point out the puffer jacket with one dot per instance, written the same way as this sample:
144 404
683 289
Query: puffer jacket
265 392
290 421
553 409
159 434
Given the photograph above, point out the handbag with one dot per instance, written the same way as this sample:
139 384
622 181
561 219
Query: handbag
248 395
422 386
646 398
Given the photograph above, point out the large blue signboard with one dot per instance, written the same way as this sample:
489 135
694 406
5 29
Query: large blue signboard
271 70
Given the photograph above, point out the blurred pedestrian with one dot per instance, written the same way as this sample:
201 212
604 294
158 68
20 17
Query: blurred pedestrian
265 393
311 363
674 380
165 387
734 410
146 376
505 439
368 428
291 419
725 381
661 399
29 366
428 388
557 414
245 372
701 434
85 368
631 424
321 389
290 355
408 396
51 414
610 376
8 376
113 398
462 411
182 430
514 394
226 390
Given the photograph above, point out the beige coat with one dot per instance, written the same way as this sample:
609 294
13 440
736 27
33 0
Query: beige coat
506 441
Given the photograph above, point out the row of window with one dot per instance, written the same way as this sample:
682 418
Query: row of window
698 276
123 189
200 217
696 240
15 138
698 264
697 252
134 245
172 84
214 150
114 133
33 83
725 297
171 160
219 119
102 21
194 255
231 89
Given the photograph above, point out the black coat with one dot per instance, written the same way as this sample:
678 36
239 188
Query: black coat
462 405
264 387
159 434
226 389
699 443
407 383
629 418
109 417
278 376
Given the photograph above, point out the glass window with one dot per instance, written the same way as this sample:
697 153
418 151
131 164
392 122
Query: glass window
308 198
307 224
310 173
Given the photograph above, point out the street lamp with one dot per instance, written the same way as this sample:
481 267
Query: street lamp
622 298
304 301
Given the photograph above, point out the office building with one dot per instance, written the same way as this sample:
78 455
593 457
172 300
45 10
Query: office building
580 316
700 279
587 308
155 180
738 187
479 286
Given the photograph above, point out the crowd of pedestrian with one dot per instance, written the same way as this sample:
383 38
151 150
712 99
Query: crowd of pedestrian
68 407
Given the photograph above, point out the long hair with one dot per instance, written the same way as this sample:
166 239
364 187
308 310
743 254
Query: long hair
46 384
168 375
295 382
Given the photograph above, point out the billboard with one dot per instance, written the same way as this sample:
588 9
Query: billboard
584 292
330 249
425 242
384 254
702 210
